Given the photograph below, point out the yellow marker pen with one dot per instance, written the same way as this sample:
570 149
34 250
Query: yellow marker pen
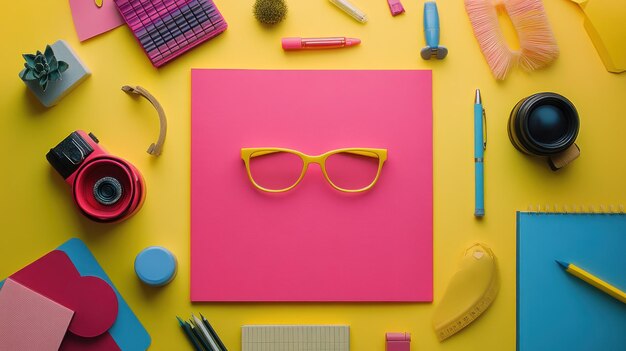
593 280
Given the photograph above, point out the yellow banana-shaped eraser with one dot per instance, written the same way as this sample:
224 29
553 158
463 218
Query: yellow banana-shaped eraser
470 292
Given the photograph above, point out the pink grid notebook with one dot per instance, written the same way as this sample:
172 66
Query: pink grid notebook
312 243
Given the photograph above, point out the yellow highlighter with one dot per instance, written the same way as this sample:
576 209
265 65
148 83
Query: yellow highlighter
593 280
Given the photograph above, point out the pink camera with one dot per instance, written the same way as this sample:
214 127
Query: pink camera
105 188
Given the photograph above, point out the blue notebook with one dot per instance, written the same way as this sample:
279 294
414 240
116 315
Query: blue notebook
556 311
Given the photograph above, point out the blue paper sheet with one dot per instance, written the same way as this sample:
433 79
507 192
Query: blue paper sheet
555 310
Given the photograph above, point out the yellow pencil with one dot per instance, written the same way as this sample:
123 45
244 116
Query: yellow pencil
593 280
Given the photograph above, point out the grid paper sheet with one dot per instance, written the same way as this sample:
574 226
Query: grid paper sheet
295 338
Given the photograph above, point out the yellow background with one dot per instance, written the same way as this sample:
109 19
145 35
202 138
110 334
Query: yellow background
38 214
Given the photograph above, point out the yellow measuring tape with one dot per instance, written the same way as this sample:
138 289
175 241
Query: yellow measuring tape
470 292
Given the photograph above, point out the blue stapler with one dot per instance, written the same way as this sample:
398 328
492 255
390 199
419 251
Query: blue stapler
431 32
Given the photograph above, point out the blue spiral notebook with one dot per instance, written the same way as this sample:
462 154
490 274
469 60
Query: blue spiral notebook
556 311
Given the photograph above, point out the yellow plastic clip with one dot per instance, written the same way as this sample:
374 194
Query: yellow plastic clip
484 130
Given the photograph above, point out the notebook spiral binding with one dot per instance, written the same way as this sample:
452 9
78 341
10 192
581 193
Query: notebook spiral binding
555 208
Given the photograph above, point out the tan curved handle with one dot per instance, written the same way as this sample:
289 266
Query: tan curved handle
154 149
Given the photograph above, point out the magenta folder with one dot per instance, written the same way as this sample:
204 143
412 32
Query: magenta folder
312 243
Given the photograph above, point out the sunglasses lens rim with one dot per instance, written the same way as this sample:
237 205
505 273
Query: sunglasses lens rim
380 157
255 182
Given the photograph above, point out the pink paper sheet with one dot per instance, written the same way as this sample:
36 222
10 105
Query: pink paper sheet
89 20
30 321
312 243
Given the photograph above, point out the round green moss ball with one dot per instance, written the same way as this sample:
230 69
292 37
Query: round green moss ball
269 11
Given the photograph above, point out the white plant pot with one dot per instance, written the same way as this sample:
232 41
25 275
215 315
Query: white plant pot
75 74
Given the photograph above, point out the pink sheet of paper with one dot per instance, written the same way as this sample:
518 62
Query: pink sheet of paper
30 321
312 243
89 20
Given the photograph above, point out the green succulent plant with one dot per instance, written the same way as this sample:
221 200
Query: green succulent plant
44 68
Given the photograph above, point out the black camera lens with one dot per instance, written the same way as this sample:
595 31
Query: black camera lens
543 124
107 191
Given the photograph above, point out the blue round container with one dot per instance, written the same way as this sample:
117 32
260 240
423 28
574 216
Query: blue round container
156 266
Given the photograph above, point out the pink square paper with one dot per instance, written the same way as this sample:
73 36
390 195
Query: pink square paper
30 321
312 243
90 20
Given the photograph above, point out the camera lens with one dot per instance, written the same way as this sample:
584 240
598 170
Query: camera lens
547 124
543 124
107 191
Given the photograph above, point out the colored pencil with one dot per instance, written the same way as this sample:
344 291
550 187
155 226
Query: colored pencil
205 333
213 333
187 329
593 280
198 334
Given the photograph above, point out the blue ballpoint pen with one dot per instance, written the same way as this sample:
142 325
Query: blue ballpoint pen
480 144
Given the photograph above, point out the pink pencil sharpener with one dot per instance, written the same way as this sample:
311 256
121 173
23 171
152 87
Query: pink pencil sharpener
398 341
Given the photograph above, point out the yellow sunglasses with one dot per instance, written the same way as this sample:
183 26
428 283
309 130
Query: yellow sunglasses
349 170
